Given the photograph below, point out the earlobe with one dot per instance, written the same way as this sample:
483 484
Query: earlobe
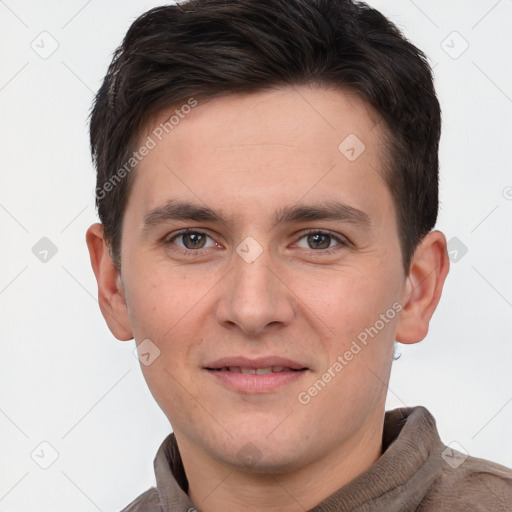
111 295
424 285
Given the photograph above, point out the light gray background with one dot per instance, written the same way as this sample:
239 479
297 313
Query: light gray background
66 381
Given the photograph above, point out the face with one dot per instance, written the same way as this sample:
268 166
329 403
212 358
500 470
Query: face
260 233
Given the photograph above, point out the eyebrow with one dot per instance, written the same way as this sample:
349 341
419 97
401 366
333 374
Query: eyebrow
186 211
329 210
181 210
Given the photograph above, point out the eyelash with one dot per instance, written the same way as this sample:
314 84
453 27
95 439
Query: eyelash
342 241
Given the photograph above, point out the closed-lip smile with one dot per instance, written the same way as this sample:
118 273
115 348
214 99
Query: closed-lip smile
258 375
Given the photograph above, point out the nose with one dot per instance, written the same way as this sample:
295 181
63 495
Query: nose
254 298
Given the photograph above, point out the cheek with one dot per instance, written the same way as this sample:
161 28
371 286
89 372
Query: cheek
362 317
362 312
350 301
169 308
159 302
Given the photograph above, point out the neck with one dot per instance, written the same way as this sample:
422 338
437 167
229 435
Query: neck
215 487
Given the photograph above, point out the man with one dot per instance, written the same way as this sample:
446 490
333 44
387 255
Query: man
267 189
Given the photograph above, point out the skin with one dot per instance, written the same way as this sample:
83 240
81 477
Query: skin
247 157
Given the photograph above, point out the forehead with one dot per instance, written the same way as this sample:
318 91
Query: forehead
262 148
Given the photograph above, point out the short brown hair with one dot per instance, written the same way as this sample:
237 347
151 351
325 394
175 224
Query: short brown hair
206 48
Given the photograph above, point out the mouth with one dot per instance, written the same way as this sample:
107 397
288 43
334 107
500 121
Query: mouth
256 371
260 375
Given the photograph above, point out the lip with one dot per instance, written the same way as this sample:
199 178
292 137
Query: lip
255 383
259 362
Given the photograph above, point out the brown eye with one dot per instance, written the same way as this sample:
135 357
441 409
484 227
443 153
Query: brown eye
322 242
319 241
192 240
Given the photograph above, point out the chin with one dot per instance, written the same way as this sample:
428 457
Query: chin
250 459
256 452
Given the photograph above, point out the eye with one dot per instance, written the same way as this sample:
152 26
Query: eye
190 240
321 241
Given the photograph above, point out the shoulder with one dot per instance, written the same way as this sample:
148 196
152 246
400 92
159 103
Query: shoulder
146 502
470 484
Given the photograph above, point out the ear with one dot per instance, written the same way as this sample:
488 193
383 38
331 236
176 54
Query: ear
111 295
423 288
